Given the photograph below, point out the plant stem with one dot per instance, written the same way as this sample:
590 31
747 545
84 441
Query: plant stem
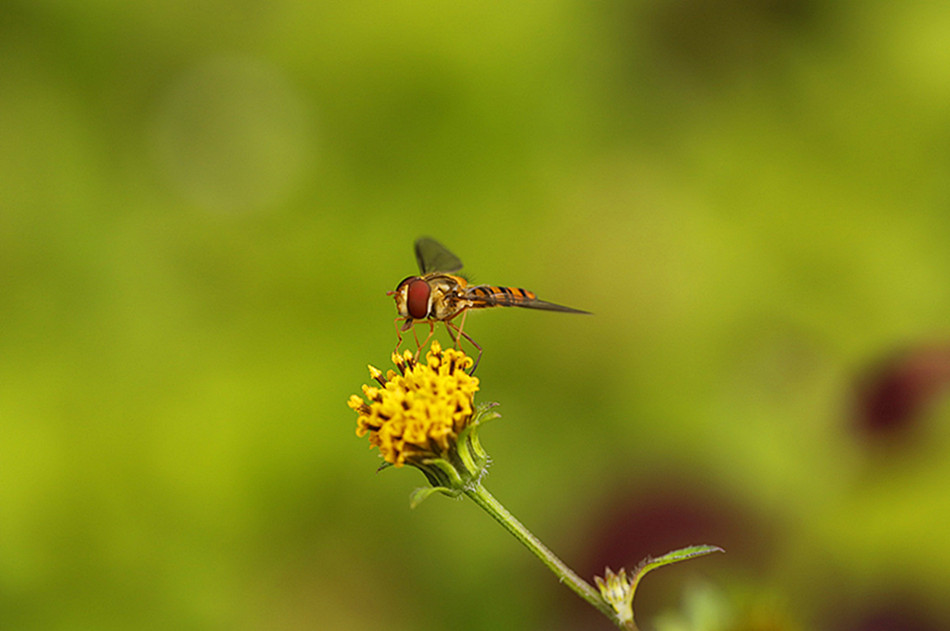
582 588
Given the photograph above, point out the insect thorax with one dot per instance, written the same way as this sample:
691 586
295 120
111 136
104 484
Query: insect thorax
447 298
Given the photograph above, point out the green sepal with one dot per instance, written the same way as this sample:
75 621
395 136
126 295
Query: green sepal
484 412
383 466
472 453
419 495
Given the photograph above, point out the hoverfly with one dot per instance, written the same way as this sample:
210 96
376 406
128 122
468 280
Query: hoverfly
439 295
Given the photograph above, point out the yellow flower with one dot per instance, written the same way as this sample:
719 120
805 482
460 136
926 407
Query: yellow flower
416 416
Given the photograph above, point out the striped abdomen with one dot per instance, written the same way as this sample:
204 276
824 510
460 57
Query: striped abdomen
491 295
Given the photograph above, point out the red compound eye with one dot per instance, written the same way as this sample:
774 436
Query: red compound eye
417 299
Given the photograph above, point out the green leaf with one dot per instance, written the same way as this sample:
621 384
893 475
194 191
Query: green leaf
669 558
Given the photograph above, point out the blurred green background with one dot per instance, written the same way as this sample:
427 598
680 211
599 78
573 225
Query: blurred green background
202 205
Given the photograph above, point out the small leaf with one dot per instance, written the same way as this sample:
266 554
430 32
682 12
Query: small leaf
419 495
675 556
682 554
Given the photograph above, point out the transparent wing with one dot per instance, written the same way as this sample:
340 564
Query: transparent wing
495 296
432 256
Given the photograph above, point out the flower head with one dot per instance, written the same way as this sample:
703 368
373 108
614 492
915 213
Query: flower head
423 415
618 590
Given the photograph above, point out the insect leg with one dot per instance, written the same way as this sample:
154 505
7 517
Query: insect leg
458 338
399 331
419 346
461 334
